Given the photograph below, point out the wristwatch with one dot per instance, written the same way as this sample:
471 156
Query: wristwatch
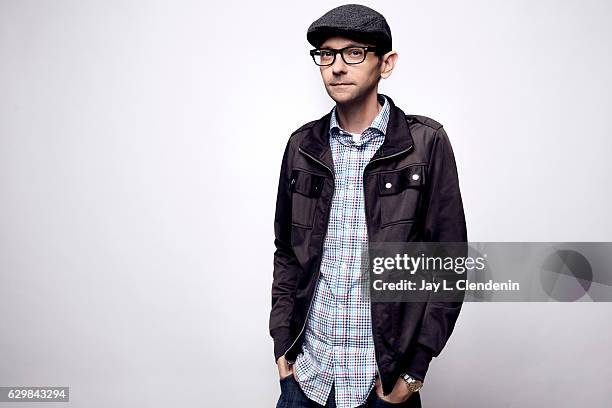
413 384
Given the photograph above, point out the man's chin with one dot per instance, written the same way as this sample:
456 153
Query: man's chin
341 96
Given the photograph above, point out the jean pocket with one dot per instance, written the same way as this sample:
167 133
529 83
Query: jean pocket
286 378
381 403
286 381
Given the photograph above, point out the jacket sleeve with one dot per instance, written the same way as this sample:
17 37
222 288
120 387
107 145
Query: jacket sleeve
286 266
444 222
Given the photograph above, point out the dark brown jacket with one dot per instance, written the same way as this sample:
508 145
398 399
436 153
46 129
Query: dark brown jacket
406 334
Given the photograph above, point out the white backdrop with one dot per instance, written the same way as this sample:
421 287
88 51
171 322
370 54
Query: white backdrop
140 144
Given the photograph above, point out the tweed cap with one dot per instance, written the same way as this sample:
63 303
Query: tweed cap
353 21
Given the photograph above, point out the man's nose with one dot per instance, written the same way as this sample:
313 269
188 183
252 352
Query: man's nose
339 65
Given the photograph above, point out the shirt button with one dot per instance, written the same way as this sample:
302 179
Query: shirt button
343 265
351 186
340 305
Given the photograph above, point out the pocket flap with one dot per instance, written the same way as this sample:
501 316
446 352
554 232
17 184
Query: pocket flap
306 183
396 181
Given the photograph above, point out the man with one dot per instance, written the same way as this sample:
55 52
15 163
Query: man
364 172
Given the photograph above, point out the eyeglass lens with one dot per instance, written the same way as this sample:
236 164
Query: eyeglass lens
350 56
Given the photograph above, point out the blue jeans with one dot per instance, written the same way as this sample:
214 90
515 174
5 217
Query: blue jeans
292 396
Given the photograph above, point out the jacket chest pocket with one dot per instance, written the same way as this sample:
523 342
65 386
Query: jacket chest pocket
305 192
399 192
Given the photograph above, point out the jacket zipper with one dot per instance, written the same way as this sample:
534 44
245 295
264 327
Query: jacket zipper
317 160
388 157
320 251
368 229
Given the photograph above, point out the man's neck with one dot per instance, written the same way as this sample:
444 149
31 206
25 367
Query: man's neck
357 116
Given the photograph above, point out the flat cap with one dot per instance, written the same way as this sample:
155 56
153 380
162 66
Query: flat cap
353 21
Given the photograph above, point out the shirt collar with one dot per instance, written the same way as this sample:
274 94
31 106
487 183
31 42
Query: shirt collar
378 124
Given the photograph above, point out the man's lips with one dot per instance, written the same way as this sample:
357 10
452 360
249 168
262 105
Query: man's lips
340 83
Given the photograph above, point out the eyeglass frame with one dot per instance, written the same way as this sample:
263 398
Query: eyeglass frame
337 51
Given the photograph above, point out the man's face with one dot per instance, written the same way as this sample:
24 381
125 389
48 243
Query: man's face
349 83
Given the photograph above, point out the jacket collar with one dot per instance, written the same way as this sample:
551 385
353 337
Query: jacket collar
397 138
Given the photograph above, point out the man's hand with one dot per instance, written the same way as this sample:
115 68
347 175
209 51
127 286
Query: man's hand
284 368
399 394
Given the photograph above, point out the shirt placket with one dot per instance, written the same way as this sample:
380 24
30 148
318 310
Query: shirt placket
343 262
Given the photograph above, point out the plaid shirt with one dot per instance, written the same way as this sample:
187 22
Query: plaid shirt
338 345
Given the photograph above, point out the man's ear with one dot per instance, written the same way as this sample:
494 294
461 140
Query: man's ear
388 63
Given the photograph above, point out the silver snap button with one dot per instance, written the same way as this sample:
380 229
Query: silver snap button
388 185
415 176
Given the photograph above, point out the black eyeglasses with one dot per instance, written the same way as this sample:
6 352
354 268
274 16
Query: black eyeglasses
350 55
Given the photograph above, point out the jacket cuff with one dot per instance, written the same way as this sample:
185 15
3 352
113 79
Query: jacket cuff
282 341
417 362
